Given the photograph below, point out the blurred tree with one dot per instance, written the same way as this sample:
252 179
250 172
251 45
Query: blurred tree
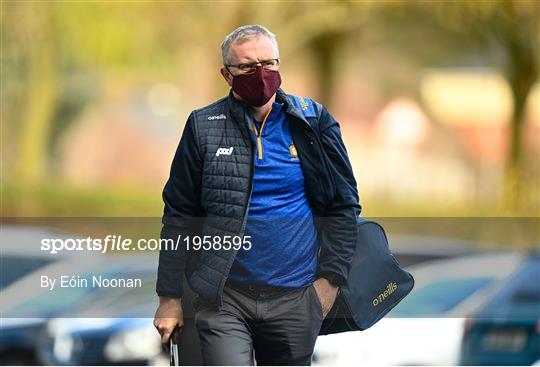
322 31
37 41
517 26
60 55
503 34
509 28
49 46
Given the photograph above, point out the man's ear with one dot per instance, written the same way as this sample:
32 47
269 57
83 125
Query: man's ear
226 75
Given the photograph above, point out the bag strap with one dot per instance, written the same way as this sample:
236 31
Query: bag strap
310 109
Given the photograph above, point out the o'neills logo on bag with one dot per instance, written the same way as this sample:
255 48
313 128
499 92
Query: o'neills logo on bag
390 288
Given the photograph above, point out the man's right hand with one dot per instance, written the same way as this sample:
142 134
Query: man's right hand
168 316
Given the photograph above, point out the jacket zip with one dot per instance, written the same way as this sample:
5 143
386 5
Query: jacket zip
244 221
258 133
242 232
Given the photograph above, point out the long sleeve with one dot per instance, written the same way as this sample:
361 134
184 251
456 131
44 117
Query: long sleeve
340 231
182 211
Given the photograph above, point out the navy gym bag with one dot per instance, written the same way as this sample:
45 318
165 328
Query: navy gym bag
375 285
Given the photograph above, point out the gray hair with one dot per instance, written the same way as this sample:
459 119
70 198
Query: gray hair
244 33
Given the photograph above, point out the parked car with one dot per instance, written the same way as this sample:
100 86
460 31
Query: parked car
21 252
426 327
26 307
415 249
125 336
506 330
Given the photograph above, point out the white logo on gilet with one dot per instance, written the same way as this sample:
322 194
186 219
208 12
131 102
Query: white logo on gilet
224 151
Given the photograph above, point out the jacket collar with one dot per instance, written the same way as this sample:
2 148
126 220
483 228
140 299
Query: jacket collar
291 108
240 109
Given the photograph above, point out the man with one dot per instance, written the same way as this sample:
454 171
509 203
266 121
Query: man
256 173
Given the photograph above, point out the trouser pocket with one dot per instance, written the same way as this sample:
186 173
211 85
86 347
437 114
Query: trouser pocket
315 300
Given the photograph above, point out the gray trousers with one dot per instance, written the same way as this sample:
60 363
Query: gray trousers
271 327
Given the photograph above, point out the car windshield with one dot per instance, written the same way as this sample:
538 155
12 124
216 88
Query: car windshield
63 299
519 297
15 267
439 297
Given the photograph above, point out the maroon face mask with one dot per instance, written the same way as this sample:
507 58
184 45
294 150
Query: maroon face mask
257 88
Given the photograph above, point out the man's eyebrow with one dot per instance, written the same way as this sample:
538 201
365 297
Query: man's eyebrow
246 60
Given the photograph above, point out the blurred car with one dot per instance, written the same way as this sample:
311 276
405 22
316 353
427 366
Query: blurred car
101 341
21 252
125 336
506 330
426 327
26 308
415 249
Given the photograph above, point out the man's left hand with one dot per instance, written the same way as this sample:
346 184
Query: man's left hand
327 293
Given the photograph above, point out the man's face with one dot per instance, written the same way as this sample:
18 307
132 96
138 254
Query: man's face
255 49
